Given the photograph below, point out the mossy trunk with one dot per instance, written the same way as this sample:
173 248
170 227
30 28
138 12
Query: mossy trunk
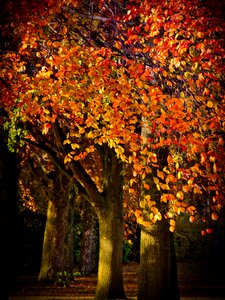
57 253
110 271
157 277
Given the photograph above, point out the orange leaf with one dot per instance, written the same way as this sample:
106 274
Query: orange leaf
160 174
172 229
137 213
214 216
191 219
146 186
145 98
185 188
169 159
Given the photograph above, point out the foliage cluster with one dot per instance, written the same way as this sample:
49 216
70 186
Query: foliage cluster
64 278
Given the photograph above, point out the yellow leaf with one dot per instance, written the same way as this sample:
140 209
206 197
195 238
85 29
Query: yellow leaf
158 217
134 173
180 210
182 95
172 229
179 174
169 214
46 111
209 104
67 159
140 220
147 197
66 142
74 146
190 181
142 204
180 195
132 181
156 180
195 65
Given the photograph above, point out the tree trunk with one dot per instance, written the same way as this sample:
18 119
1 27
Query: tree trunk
158 272
69 235
108 205
58 237
88 257
110 271
110 281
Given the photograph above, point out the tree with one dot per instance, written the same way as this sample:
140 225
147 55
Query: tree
102 71
45 190
89 251
57 254
56 146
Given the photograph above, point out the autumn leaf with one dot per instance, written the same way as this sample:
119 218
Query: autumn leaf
214 216
191 219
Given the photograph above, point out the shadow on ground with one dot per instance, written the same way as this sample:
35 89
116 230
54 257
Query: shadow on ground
197 281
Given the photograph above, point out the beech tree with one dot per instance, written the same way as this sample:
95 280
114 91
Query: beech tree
139 83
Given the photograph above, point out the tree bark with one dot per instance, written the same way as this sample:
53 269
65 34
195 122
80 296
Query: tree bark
108 205
158 269
88 257
158 272
58 236
110 275
110 281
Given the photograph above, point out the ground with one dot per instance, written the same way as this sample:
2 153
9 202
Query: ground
195 280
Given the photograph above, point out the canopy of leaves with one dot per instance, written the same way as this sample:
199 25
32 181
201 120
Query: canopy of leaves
83 74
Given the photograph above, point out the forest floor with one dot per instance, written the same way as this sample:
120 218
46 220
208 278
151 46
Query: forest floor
196 281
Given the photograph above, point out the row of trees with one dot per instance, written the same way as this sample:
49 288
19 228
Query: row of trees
115 90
